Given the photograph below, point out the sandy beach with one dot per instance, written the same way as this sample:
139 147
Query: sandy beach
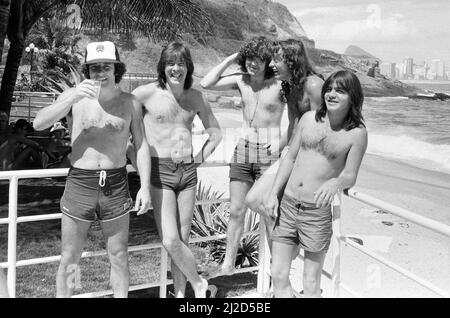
413 247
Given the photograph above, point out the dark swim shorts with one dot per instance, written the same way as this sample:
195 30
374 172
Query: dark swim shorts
166 174
302 223
250 161
96 193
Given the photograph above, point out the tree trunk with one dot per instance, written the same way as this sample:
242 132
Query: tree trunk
20 22
4 16
10 75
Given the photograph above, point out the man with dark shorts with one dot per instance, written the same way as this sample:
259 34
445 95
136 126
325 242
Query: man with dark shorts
169 107
323 159
260 138
101 118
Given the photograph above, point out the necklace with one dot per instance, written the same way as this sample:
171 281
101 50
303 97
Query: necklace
256 106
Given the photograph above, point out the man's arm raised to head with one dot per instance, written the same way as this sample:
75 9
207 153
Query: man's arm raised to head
313 89
211 125
214 79
63 104
142 157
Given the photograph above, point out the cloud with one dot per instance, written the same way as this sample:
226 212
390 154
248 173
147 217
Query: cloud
371 29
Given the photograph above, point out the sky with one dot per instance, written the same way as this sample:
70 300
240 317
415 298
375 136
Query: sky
390 30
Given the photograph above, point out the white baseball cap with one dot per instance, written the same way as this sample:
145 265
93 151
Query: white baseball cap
101 52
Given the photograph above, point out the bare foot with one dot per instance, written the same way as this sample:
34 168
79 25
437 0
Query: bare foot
218 271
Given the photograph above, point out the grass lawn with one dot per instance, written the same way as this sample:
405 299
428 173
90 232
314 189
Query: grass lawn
42 239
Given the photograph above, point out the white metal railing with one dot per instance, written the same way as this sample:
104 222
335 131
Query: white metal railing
13 219
339 238
30 102
263 282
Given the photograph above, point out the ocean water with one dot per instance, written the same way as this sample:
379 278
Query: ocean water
410 130
435 87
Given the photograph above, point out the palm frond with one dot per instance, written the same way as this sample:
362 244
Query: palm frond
157 19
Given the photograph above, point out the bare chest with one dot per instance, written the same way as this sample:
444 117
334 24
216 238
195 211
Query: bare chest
112 119
266 100
328 143
163 108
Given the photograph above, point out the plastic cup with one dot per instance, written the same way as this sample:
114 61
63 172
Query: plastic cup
97 86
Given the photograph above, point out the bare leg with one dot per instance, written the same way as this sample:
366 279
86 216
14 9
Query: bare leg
254 201
185 202
238 191
116 233
3 285
281 266
312 273
165 207
262 186
73 239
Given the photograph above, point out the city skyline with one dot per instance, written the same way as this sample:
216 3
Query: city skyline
389 30
409 69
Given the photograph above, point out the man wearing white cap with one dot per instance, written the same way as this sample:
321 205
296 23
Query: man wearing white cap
100 124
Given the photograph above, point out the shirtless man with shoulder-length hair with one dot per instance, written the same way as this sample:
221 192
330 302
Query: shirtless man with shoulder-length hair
169 108
323 159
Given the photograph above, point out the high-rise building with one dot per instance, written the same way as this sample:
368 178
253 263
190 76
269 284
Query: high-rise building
409 67
388 69
437 67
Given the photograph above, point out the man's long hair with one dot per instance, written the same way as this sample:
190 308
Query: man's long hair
172 51
296 58
258 47
350 83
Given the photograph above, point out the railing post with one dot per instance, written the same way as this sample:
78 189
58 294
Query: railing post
263 284
29 109
336 246
163 274
12 236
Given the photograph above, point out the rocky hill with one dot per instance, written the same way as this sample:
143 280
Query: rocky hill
242 19
356 51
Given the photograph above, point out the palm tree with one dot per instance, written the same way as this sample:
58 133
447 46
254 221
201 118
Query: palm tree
156 19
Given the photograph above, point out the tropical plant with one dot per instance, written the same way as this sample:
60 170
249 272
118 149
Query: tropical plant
58 82
157 19
249 246
212 219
